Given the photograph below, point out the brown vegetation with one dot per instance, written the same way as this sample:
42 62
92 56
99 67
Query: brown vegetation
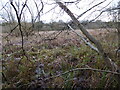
55 58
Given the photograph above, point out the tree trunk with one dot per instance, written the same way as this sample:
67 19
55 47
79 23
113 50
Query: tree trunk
108 61
111 65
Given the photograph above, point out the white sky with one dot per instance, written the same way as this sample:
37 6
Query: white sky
56 15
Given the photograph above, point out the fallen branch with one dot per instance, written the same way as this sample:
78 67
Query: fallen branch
76 69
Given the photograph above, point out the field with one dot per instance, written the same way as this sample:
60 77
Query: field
55 59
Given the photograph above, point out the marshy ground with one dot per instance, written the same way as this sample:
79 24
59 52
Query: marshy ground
49 58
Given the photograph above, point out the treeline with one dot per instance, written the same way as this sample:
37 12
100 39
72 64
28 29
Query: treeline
41 26
63 26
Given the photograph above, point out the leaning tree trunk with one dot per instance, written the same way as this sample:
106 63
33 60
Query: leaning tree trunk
111 65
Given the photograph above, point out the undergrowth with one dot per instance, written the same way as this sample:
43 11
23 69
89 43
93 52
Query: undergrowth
45 63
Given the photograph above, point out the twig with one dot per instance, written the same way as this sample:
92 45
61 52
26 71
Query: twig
3 6
76 69
39 11
90 9
12 30
52 38
22 9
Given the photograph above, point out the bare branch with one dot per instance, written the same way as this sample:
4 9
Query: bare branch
23 8
12 30
49 10
7 13
101 12
39 11
19 24
4 6
86 42
76 69
90 9
110 9
52 38
72 1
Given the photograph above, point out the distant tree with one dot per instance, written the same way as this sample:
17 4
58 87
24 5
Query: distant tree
38 25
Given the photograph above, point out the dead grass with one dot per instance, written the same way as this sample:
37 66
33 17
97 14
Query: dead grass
52 57
65 36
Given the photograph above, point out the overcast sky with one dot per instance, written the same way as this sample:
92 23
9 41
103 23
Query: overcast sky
56 14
